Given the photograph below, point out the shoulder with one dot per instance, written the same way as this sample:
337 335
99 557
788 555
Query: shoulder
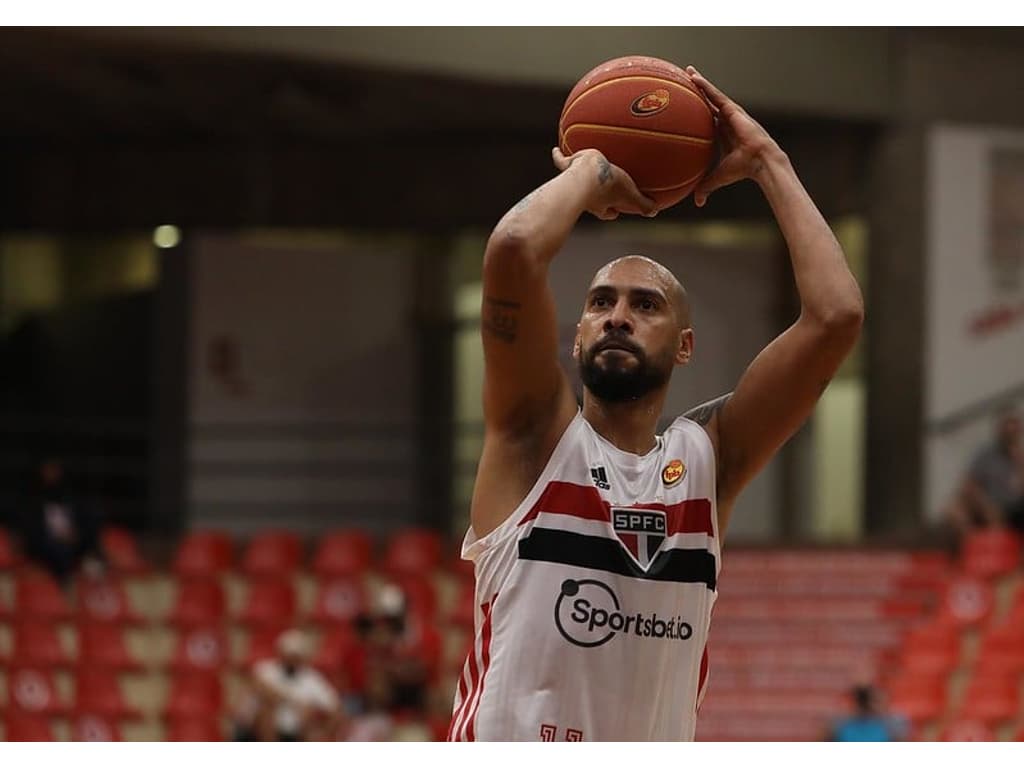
704 413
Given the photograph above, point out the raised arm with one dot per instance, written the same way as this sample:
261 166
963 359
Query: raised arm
779 389
527 398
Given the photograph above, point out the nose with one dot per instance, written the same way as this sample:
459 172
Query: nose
619 318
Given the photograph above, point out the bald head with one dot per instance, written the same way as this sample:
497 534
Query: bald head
654 274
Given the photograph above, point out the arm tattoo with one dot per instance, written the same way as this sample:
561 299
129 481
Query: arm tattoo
604 171
702 413
501 318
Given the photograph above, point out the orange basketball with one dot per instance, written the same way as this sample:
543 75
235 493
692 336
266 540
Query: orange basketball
649 118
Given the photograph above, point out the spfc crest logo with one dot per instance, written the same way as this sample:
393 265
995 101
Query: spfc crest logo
641 532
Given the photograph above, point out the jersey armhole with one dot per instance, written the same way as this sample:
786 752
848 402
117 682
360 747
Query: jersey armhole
703 435
472 547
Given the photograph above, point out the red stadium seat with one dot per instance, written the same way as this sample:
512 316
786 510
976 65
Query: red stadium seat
269 602
203 648
22 727
193 729
1001 650
461 569
37 596
423 642
102 646
990 699
343 553
336 645
37 644
8 554
32 690
1016 612
464 608
195 695
918 697
968 601
105 600
204 553
967 730
98 692
412 552
122 551
420 595
272 553
933 648
262 644
339 600
198 603
991 552
92 727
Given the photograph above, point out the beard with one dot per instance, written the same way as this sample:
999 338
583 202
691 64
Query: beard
614 382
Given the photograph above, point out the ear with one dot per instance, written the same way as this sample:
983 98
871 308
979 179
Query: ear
577 344
685 350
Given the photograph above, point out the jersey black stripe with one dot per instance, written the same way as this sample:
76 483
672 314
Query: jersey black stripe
688 566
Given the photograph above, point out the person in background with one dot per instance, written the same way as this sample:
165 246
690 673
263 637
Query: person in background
296 703
868 722
59 531
992 492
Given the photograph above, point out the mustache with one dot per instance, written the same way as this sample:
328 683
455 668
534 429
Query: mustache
616 341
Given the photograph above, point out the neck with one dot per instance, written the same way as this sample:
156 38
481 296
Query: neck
629 426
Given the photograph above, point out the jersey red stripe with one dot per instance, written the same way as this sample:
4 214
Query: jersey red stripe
485 660
561 498
463 697
703 675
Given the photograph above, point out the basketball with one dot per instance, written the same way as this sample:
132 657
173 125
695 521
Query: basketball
646 116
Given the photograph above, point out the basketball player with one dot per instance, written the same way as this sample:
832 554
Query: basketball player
597 542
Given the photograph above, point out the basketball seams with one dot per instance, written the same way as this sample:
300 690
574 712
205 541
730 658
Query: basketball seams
636 131
660 80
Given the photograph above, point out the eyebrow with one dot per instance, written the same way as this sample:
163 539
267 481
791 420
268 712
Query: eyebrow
637 292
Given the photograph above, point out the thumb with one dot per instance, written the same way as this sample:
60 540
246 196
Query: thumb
561 161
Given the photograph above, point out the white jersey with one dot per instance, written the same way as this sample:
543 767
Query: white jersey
594 597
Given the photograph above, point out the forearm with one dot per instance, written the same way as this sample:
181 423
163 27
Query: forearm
541 222
829 294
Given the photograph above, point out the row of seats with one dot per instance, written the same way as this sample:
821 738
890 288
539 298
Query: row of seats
98 710
958 675
794 631
274 553
92 727
200 601
104 646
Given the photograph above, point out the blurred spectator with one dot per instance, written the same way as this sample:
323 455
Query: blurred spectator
868 722
59 531
386 669
291 700
992 493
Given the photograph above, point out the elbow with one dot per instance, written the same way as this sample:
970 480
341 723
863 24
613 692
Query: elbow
842 321
509 250
846 320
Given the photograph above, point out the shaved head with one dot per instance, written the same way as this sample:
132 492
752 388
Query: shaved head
661 276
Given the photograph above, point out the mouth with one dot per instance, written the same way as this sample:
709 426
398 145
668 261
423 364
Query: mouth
617 347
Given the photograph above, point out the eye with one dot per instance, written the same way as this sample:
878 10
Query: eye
648 305
599 301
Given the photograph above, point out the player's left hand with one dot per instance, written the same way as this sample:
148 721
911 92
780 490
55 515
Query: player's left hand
745 143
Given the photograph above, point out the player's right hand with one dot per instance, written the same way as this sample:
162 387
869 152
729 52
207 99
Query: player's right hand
613 191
